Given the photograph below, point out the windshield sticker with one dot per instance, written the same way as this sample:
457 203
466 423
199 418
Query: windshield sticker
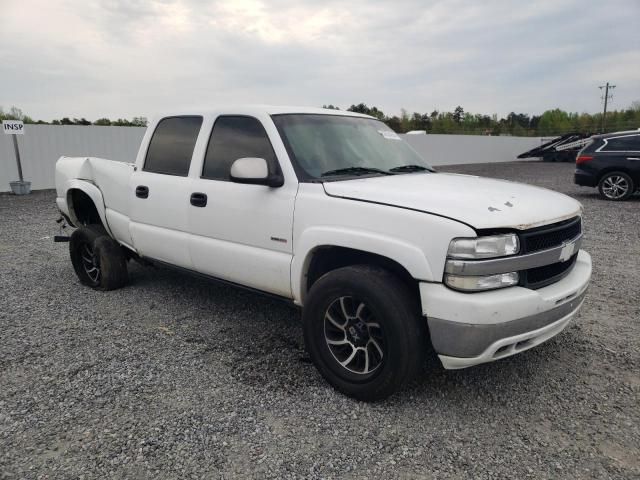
389 134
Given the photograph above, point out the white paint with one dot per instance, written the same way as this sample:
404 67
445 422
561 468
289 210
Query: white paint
480 202
91 190
417 241
13 127
159 225
265 237
500 306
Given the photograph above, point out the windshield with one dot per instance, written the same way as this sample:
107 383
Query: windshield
335 145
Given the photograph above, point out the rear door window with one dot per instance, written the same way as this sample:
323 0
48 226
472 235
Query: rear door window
623 144
172 144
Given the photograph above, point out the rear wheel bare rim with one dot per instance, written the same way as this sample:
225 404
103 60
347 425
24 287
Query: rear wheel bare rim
90 263
615 186
354 336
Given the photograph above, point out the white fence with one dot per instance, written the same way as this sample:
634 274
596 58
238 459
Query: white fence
459 149
42 145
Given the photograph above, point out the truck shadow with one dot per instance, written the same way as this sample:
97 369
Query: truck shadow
260 340
492 382
594 195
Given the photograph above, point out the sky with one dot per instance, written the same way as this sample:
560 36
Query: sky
126 58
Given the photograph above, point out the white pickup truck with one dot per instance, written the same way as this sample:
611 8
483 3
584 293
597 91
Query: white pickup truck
332 211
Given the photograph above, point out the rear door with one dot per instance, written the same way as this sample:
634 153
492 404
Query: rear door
160 190
624 152
241 233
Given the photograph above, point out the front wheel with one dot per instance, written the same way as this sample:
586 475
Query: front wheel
616 186
97 259
364 332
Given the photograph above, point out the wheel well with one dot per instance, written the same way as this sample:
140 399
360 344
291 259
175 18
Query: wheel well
328 258
608 170
82 209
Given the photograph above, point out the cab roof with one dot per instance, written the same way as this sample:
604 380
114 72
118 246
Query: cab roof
261 109
618 134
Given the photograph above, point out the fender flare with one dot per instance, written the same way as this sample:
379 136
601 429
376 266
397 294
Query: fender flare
94 194
409 256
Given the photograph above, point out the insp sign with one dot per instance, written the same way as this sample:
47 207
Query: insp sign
13 127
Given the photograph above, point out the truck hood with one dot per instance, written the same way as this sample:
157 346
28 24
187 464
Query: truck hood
482 203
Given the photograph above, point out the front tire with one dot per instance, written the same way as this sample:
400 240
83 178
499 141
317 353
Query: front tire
97 259
616 186
364 332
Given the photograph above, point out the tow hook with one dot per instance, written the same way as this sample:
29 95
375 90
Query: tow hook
63 225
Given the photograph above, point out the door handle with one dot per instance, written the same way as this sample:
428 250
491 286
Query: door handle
199 199
633 158
142 191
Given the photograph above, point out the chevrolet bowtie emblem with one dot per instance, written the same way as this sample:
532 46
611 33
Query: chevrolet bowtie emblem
567 252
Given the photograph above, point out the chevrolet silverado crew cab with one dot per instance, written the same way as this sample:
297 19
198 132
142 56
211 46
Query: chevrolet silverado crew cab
332 211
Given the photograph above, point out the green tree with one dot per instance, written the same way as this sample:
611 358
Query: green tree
394 123
554 122
363 108
458 114
14 113
139 122
360 108
550 123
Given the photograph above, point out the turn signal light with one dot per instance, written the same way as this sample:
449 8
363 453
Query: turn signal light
477 284
583 159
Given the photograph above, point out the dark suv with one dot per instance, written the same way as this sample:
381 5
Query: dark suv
611 162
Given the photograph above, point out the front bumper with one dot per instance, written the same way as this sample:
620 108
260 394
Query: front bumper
471 328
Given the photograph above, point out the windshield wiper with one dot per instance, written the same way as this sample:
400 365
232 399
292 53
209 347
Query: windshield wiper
409 168
354 171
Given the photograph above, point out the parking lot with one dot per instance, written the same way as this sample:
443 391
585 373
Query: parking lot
176 377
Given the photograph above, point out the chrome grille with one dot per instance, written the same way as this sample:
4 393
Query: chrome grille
542 276
543 238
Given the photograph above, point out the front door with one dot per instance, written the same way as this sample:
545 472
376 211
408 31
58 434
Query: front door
241 233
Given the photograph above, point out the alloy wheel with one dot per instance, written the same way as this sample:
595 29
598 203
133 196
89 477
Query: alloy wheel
90 263
615 187
354 336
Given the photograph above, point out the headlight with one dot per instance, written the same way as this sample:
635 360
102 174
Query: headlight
476 284
484 247
468 250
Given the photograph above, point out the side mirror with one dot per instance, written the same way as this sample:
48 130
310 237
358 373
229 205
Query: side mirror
254 171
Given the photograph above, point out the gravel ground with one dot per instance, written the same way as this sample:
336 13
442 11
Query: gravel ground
175 377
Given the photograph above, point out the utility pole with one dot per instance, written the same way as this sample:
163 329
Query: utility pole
606 98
